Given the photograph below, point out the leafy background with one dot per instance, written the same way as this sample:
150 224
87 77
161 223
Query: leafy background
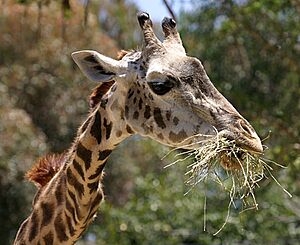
251 51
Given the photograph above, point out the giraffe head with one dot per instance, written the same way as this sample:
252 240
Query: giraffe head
162 93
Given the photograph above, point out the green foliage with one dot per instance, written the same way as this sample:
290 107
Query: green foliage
118 19
21 142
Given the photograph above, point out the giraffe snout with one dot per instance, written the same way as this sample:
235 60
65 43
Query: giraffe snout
246 137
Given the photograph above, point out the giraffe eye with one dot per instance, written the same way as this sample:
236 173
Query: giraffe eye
161 87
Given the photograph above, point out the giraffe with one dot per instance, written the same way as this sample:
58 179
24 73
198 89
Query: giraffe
158 92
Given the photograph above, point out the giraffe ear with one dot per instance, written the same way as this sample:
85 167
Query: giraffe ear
97 67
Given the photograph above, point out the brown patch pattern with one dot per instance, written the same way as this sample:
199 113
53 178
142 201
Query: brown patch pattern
129 129
60 185
93 186
147 113
60 229
119 133
78 168
178 137
168 115
175 121
69 224
98 93
48 239
108 127
158 118
33 231
98 171
47 212
72 180
104 154
85 155
96 128
136 115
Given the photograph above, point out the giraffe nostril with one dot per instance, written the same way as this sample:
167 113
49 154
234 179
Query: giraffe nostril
245 128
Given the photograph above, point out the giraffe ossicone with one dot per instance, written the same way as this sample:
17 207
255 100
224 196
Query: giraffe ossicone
158 92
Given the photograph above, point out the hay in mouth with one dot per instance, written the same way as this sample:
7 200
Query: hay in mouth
244 168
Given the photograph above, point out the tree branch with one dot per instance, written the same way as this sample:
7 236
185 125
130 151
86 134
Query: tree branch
169 8
86 13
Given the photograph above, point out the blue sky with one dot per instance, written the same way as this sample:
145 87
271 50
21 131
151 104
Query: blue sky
157 9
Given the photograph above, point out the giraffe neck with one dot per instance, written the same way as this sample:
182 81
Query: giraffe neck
63 208
96 140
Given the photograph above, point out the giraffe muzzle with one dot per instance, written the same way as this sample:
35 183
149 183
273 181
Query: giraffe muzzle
244 136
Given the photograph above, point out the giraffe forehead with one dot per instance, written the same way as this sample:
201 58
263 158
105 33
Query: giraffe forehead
177 65
167 62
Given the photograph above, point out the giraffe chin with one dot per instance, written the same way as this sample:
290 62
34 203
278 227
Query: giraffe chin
231 163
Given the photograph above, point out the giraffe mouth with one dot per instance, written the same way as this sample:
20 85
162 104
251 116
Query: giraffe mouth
244 137
229 152
234 157
231 161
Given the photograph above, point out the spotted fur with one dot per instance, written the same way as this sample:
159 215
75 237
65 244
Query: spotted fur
98 93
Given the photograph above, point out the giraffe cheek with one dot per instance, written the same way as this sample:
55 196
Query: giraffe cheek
144 127
178 137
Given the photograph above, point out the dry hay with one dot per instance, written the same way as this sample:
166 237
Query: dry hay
244 170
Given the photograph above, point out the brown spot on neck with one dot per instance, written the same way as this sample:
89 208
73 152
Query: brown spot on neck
47 212
60 229
99 92
108 128
34 221
96 128
48 239
104 154
85 154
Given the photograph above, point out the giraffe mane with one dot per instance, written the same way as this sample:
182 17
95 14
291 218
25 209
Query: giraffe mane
122 53
45 168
